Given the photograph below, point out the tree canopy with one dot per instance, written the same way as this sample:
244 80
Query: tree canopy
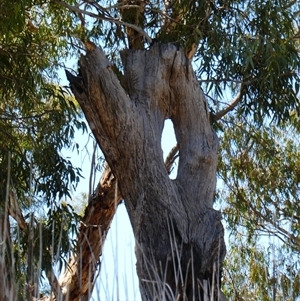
248 48
246 59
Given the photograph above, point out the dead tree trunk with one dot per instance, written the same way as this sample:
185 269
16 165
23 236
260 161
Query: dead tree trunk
180 246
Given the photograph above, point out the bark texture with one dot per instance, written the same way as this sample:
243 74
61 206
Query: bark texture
179 236
7 289
78 280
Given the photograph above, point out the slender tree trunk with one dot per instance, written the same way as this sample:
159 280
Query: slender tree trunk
79 278
78 281
7 289
180 245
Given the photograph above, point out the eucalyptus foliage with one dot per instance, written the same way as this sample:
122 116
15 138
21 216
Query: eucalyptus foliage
259 169
38 119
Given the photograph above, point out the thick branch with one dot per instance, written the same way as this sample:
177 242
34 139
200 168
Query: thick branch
79 277
55 286
172 156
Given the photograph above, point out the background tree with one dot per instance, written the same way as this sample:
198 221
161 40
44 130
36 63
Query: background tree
38 119
262 196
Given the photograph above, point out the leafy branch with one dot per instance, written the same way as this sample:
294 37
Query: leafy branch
102 17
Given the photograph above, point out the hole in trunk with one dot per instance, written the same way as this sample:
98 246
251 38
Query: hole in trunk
168 141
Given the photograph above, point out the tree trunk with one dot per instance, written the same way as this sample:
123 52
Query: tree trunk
78 281
179 236
7 288
79 277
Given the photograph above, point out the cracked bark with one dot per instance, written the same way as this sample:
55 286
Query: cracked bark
179 236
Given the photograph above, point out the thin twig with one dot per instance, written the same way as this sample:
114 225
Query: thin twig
171 158
109 19
92 171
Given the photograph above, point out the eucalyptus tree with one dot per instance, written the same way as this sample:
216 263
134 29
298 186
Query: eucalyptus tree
247 49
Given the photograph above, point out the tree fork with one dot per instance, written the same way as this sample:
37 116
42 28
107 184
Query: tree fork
128 126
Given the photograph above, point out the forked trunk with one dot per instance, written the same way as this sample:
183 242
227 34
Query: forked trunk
179 236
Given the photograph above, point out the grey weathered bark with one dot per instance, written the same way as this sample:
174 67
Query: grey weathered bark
171 219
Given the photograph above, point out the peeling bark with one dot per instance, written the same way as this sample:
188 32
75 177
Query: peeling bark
179 235
78 280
